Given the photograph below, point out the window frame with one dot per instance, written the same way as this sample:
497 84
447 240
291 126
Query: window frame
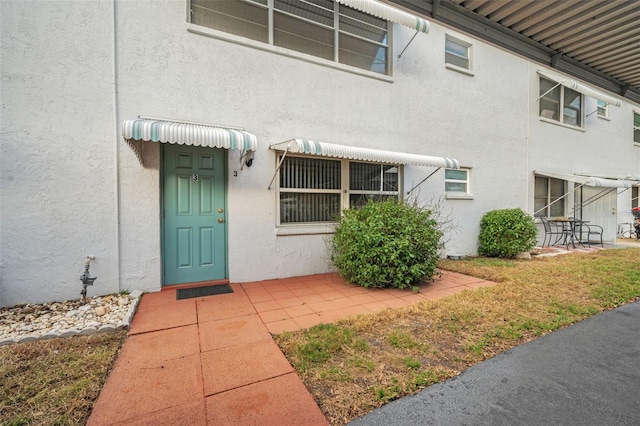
336 27
369 193
604 107
636 128
546 97
466 182
468 69
345 191
635 191
549 197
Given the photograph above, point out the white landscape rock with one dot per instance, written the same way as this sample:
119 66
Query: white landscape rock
30 322
101 310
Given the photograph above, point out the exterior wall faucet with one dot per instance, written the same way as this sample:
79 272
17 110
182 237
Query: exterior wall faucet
86 279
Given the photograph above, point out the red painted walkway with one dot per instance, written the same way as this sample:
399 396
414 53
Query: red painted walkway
212 361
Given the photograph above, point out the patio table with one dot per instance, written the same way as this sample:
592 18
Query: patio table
569 229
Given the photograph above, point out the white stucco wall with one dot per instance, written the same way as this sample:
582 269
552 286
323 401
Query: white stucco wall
57 174
72 187
600 147
603 147
166 71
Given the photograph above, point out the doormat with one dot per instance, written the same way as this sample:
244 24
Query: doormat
210 290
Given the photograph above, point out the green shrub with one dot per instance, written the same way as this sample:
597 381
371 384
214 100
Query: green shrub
507 232
386 244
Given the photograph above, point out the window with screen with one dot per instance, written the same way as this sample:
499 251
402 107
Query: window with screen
548 197
316 190
559 103
322 28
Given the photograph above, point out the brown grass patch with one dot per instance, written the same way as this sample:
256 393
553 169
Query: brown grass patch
355 366
55 381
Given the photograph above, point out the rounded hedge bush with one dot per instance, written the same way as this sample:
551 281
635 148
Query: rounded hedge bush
386 244
507 232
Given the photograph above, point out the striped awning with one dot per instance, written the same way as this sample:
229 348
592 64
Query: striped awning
580 87
389 13
304 146
184 133
588 180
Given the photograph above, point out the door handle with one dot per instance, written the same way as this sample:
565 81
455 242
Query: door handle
220 220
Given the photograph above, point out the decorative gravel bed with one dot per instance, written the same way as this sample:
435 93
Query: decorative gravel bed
26 323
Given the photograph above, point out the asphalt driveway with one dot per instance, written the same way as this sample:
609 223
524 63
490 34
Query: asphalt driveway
586 374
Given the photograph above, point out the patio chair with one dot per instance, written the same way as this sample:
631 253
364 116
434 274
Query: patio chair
584 233
552 232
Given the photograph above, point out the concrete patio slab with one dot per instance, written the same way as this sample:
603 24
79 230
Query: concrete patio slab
212 361
232 332
282 401
236 366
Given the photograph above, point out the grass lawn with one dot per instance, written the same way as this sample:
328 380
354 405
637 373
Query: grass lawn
55 382
354 366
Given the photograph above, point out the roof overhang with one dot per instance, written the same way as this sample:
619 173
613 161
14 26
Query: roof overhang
580 87
390 13
184 133
594 41
588 180
305 146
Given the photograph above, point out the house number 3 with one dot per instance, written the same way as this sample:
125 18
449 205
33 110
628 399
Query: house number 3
194 178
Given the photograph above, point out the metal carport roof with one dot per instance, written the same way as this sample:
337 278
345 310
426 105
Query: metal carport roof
595 40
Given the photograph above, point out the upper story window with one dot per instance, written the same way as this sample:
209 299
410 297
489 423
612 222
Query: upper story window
457 53
316 190
603 109
634 197
547 197
321 28
636 127
456 180
559 103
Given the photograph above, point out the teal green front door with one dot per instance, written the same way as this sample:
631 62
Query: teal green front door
194 224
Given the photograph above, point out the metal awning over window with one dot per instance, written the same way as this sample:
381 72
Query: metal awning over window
390 13
588 180
304 146
608 186
580 87
184 133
